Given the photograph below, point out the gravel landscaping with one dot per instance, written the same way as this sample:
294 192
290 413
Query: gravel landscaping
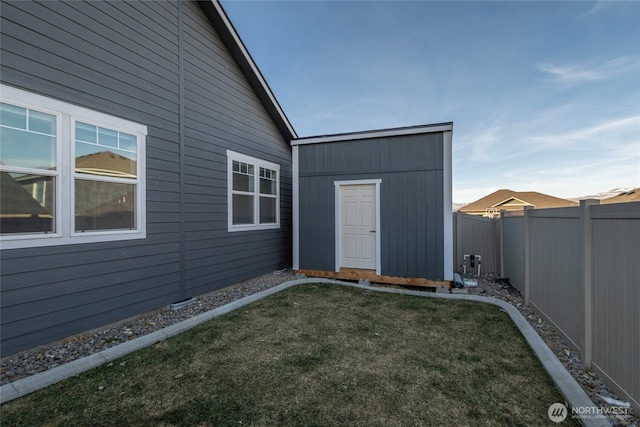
41 358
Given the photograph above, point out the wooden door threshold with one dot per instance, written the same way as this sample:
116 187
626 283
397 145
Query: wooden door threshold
371 276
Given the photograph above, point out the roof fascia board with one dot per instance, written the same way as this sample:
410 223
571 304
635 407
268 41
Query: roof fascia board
441 127
509 200
227 32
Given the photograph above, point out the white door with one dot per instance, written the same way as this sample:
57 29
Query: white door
358 226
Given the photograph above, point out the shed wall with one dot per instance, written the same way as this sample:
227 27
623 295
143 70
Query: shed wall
160 64
411 205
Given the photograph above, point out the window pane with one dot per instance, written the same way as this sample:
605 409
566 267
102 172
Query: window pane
96 160
97 152
268 210
242 209
267 186
27 149
128 142
26 203
42 122
104 205
243 182
107 137
86 133
268 181
13 116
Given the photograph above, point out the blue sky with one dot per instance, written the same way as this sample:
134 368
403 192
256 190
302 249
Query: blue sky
544 96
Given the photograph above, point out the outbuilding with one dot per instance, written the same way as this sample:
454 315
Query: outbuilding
375 205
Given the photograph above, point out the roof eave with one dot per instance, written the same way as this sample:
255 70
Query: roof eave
229 36
505 201
380 133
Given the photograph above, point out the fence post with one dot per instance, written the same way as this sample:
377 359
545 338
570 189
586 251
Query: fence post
587 277
501 242
527 263
455 242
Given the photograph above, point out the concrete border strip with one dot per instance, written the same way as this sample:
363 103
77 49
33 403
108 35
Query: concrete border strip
573 393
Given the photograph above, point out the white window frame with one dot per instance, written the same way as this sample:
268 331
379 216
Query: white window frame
66 116
257 164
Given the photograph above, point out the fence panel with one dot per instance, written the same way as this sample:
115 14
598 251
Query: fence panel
616 296
577 267
556 286
513 250
475 235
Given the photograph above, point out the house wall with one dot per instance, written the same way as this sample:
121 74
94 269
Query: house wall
411 205
160 64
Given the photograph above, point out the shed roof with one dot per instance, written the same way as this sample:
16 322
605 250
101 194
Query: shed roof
227 32
379 133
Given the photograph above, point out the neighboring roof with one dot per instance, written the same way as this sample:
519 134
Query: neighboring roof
504 196
380 133
106 163
227 32
628 196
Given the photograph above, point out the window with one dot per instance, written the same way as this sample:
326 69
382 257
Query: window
67 174
253 193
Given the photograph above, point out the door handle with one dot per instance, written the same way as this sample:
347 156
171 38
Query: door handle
372 231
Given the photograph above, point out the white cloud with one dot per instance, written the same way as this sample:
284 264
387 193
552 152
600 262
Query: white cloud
577 160
628 126
570 75
599 7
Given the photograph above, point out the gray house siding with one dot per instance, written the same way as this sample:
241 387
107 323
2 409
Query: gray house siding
411 205
163 65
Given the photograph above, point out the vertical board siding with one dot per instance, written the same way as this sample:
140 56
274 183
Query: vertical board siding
317 222
412 240
556 282
124 59
411 205
616 295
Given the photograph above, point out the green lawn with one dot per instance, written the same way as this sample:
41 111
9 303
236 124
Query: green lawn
315 355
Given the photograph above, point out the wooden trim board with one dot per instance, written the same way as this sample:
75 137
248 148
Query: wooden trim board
371 276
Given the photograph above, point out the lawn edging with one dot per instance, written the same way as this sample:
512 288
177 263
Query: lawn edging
572 392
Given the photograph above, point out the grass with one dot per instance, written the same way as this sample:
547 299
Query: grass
315 355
